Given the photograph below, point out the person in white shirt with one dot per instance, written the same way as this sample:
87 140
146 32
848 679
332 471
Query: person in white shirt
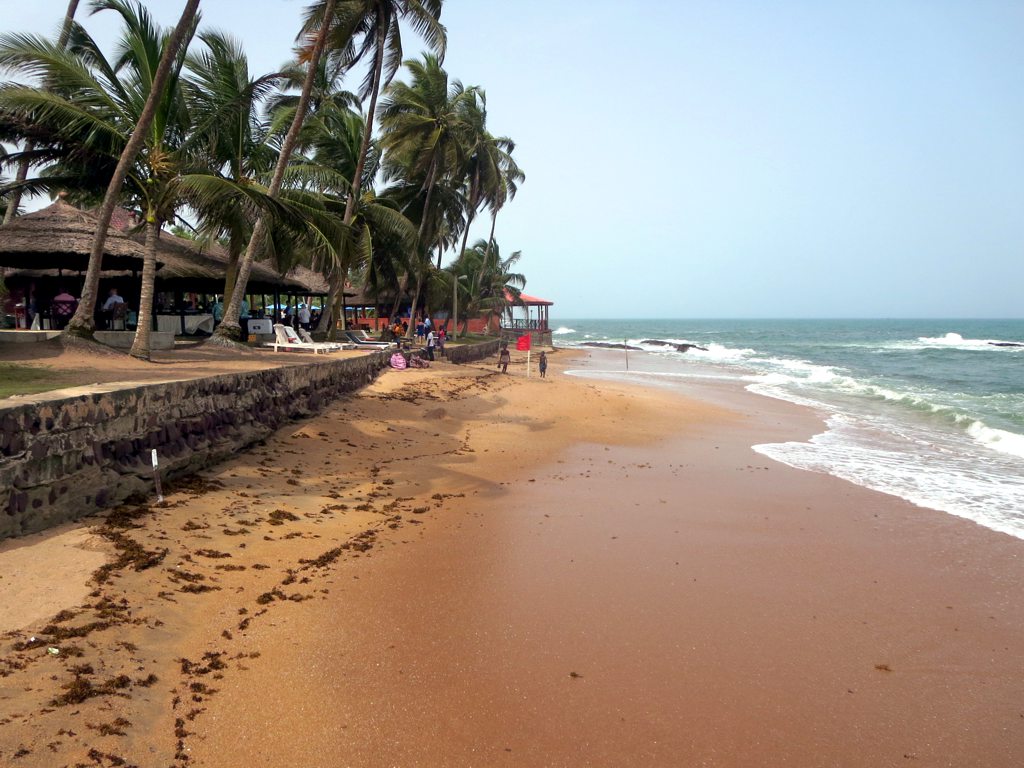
304 316
430 344
109 306
112 299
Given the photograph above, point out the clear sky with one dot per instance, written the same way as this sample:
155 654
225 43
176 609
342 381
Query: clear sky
732 159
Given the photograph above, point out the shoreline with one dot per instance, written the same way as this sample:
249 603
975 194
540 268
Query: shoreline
461 646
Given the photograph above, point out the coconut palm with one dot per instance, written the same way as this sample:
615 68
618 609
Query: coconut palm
364 26
82 323
423 130
25 160
485 282
229 329
94 107
226 104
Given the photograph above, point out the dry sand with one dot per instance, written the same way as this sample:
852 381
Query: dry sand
459 568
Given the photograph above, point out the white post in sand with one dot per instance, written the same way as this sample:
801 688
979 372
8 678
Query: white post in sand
156 477
527 363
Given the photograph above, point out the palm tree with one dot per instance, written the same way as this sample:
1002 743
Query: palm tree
229 329
326 162
82 323
26 159
226 106
485 280
362 26
94 119
423 128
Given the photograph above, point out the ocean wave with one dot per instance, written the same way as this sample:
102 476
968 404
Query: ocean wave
947 481
997 439
955 341
561 331
955 415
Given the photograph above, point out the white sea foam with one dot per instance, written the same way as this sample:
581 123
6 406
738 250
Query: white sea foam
561 331
997 439
954 340
892 462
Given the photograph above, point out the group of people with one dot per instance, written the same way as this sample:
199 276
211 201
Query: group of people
63 306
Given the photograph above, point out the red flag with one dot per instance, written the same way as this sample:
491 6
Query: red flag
523 343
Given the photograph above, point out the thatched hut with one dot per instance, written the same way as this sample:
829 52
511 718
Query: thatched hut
47 252
59 237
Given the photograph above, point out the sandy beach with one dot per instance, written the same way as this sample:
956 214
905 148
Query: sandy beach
459 568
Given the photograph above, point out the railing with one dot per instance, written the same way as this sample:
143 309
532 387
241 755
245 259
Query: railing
521 324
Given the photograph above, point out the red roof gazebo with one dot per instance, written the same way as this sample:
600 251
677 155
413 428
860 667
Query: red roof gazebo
527 322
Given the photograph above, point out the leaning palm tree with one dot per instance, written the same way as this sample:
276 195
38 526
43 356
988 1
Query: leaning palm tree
82 324
365 26
229 330
106 101
423 131
88 116
226 105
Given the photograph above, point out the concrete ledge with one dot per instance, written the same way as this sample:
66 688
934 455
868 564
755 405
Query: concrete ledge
11 336
124 339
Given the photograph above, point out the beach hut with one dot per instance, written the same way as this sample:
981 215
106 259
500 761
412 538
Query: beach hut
47 251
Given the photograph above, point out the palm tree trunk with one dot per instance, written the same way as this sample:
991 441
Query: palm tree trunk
412 309
364 146
83 324
325 324
15 201
337 308
229 330
490 239
143 330
23 164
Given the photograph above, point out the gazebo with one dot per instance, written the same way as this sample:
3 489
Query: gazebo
528 322
534 320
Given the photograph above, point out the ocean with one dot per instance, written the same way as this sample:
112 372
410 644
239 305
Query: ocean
931 411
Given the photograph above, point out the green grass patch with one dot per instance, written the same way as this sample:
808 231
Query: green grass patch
26 380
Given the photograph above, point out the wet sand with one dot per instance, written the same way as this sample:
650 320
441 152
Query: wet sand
486 570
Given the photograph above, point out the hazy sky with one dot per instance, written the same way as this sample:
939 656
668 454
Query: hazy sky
732 159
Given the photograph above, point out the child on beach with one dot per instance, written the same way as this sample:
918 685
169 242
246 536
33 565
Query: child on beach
504 358
543 364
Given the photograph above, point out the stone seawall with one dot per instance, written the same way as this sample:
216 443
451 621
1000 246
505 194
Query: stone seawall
470 353
64 459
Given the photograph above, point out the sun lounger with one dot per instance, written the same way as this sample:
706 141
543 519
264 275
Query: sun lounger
355 338
307 339
288 341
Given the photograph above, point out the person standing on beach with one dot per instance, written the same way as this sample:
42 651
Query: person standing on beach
543 364
430 344
504 358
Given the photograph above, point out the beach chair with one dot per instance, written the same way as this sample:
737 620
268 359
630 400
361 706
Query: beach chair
307 339
359 341
287 340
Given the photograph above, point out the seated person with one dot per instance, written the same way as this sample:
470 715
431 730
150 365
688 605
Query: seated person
108 307
62 309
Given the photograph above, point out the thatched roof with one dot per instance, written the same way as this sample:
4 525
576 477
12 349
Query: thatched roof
60 237
312 281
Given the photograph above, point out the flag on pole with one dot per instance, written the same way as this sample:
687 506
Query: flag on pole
523 343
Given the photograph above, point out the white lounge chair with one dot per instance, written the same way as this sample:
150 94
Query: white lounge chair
288 341
307 339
